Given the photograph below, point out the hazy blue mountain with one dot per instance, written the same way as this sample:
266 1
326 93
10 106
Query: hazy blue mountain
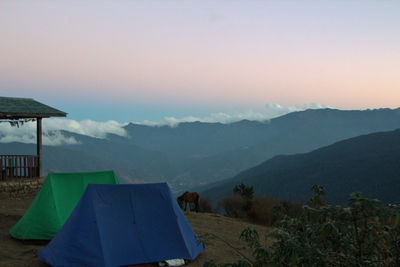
368 163
322 126
157 164
193 154
296 132
197 139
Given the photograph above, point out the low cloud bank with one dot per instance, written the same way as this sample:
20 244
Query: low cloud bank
86 127
270 111
52 136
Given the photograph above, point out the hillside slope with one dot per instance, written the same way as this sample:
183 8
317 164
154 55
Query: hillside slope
369 164
297 132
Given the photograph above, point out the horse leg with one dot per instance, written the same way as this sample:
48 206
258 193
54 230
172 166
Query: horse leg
197 203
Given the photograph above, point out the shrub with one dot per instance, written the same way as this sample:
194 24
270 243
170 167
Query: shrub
205 205
287 208
262 210
233 206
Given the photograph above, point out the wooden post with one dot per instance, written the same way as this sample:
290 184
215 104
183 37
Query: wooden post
39 145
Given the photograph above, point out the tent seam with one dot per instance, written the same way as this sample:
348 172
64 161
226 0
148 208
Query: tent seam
55 203
97 228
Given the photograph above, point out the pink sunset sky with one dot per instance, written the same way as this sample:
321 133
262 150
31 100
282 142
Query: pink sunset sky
145 60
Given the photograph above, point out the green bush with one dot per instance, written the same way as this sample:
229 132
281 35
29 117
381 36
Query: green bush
287 208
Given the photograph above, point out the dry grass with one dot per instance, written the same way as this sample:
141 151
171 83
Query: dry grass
220 235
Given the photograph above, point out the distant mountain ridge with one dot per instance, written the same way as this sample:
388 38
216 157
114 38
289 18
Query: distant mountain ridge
195 153
197 139
368 163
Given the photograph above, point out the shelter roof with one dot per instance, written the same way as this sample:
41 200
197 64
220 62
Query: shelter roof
19 108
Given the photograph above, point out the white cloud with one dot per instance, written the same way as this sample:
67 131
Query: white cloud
51 131
57 138
86 127
270 111
276 110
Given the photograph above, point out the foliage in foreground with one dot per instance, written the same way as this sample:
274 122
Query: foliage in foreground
366 233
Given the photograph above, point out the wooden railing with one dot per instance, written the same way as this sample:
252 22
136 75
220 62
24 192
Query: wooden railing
19 166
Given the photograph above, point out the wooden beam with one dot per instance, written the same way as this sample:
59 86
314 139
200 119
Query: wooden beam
4 116
39 144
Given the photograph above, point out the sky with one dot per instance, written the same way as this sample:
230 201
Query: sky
167 61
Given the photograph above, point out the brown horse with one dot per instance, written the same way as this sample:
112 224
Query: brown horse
189 197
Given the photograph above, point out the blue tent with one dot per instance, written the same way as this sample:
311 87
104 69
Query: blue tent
116 225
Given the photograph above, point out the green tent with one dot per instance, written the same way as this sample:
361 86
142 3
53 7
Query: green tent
54 203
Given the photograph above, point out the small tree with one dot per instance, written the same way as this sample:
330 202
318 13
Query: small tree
244 191
318 200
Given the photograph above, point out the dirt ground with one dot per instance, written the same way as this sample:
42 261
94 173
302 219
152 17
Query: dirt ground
220 235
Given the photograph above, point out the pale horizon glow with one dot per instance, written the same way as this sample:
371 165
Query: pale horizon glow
147 60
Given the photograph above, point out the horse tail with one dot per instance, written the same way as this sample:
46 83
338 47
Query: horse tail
181 200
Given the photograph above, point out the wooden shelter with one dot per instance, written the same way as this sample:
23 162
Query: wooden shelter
15 111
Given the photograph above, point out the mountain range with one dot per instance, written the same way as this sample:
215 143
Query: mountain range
196 153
